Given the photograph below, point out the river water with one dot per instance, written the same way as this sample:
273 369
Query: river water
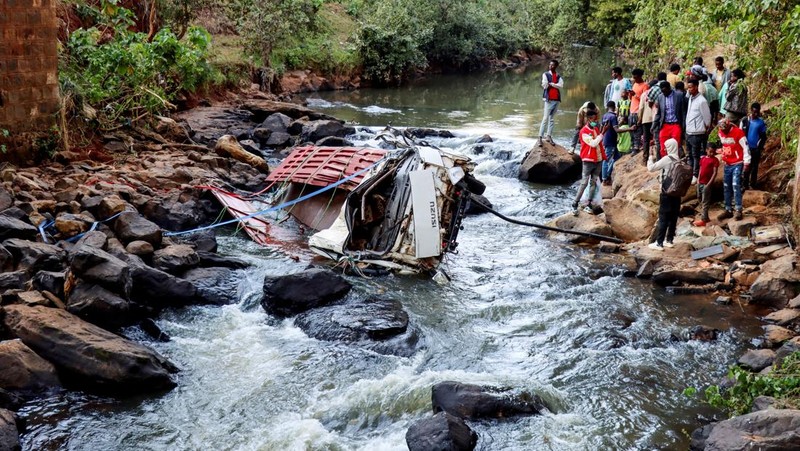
521 311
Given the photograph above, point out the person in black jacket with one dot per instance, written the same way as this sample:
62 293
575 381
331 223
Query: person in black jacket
670 120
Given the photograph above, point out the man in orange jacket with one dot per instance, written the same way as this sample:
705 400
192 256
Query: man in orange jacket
592 156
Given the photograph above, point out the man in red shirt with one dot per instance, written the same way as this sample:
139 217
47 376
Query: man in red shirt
708 172
736 155
552 83
592 156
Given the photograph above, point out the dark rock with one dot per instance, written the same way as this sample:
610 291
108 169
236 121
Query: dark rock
16 213
52 281
99 306
278 140
204 241
10 400
473 208
334 141
762 403
703 333
6 259
696 276
277 122
765 430
441 432
98 266
31 256
427 132
778 282
151 328
551 164
295 293
176 258
95 239
723 300
159 289
296 127
6 200
91 203
209 260
484 139
261 135
14 228
9 432
13 280
473 401
699 437
377 324
22 370
787 349
218 286
131 226
251 146
314 131
90 357
140 248
757 359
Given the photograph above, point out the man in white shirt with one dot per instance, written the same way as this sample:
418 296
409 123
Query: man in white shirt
552 83
698 123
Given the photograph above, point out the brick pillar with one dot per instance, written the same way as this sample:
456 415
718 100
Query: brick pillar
29 95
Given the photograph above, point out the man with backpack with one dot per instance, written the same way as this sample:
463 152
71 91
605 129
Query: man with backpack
676 178
736 155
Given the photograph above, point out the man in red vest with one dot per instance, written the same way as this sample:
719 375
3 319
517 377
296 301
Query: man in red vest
592 156
552 83
736 155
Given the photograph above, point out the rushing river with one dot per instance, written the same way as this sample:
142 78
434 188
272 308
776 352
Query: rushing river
521 311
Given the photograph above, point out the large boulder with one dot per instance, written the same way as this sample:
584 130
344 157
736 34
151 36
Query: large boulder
778 282
98 266
176 258
764 430
13 280
631 220
314 131
584 222
31 256
99 306
158 289
218 286
551 164
131 226
277 122
88 356
295 293
691 276
377 324
757 359
11 227
473 401
22 370
50 281
9 433
441 432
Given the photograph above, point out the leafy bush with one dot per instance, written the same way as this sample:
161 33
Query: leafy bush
781 383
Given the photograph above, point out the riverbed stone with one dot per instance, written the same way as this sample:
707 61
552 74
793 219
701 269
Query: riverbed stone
9 432
631 220
277 122
95 239
31 256
14 280
778 282
441 432
691 276
22 370
584 222
217 286
176 258
140 248
98 266
52 281
757 359
771 429
295 293
314 131
87 355
776 335
6 259
550 164
6 200
743 226
99 306
158 289
471 401
783 317
131 226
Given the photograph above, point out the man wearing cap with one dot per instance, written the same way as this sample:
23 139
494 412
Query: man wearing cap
736 155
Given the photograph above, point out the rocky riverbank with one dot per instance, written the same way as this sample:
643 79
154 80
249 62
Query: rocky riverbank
749 261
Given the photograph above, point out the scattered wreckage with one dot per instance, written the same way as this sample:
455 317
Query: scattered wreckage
400 208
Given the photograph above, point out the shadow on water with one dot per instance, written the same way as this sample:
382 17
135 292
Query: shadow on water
522 310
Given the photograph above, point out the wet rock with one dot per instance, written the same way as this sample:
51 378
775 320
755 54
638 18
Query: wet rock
159 289
428 132
6 259
228 146
333 141
771 429
11 227
22 370
703 333
6 200
585 223
757 359
631 220
295 293
218 286
13 280
551 164
788 348
608 247
441 432
209 260
783 317
204 241
377 320
176 258
150 327
470 401
9 433
484 139
131 226
277 122
473 208
296 127
140 248
691 276
742 227
776 335
777 282
98 266
52 281
31 256
99 306
646 270
90 357
315 131
699 437
95 239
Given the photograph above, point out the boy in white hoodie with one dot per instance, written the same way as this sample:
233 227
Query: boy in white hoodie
668 206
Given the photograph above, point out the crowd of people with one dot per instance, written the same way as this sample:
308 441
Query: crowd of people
669 121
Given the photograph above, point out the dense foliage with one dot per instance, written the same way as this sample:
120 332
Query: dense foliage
781 383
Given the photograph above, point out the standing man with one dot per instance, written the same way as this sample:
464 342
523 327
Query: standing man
580 121
721 74
669 207
712 97
670 118
736 97
592 156
637 95
698 122
646 115
736 155
616 86
673 77
756 130
552 83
